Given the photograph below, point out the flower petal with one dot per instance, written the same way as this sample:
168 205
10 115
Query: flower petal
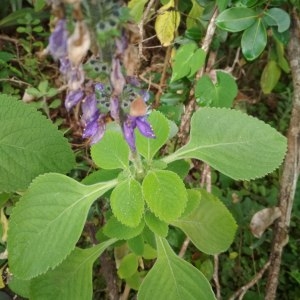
89 108
58 40
128 130
73 97
145 127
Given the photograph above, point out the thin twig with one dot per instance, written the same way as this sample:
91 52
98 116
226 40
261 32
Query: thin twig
186 118
163 76
125 293
291 166
242 291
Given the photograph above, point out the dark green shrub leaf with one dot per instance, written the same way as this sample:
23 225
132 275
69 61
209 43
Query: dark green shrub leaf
111 152
137 245
188 59
29 145
234 143
254 40
210 226
47 222
236 19
173 278
72 279
270 76
165 194
277 17
127 202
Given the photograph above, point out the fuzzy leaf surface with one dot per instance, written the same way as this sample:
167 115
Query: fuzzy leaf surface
210 226
165 194
72 279
173 278
238 145
111 152
30 145
127 202
47 222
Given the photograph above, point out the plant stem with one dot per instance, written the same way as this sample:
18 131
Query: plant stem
291 166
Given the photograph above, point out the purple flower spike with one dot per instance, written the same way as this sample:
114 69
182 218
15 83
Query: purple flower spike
128 130
58 40
65 66
89 108
99 87
73 97
144 127
115 107
95 129
116 77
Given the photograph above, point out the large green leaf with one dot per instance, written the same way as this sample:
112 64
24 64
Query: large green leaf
277 17
155 224
72 279
210 226
220 94
236 19
234 143
165 194
254 40
173 278
30 145
111 152
127 202
47 222
160 125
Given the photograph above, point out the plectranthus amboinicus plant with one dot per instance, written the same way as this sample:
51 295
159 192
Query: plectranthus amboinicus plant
98 80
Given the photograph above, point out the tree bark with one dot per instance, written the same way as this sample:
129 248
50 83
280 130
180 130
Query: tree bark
291 165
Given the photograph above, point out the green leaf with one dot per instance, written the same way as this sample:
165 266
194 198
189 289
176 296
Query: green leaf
270 76
193 18
167 23
136 9
220 94
101 175
194 197
128 266
72 279
20 287
43 86
180 167
114 229
173 278
165 194
210 227
238 145
277 17
127 202
254 40
148 147
136 245
156 225
29 145
111 152
236 19
188 59
47 222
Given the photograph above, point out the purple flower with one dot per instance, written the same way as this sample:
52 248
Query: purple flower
73 97
75 78
143 126
128 131
65 66
94 122
58 40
